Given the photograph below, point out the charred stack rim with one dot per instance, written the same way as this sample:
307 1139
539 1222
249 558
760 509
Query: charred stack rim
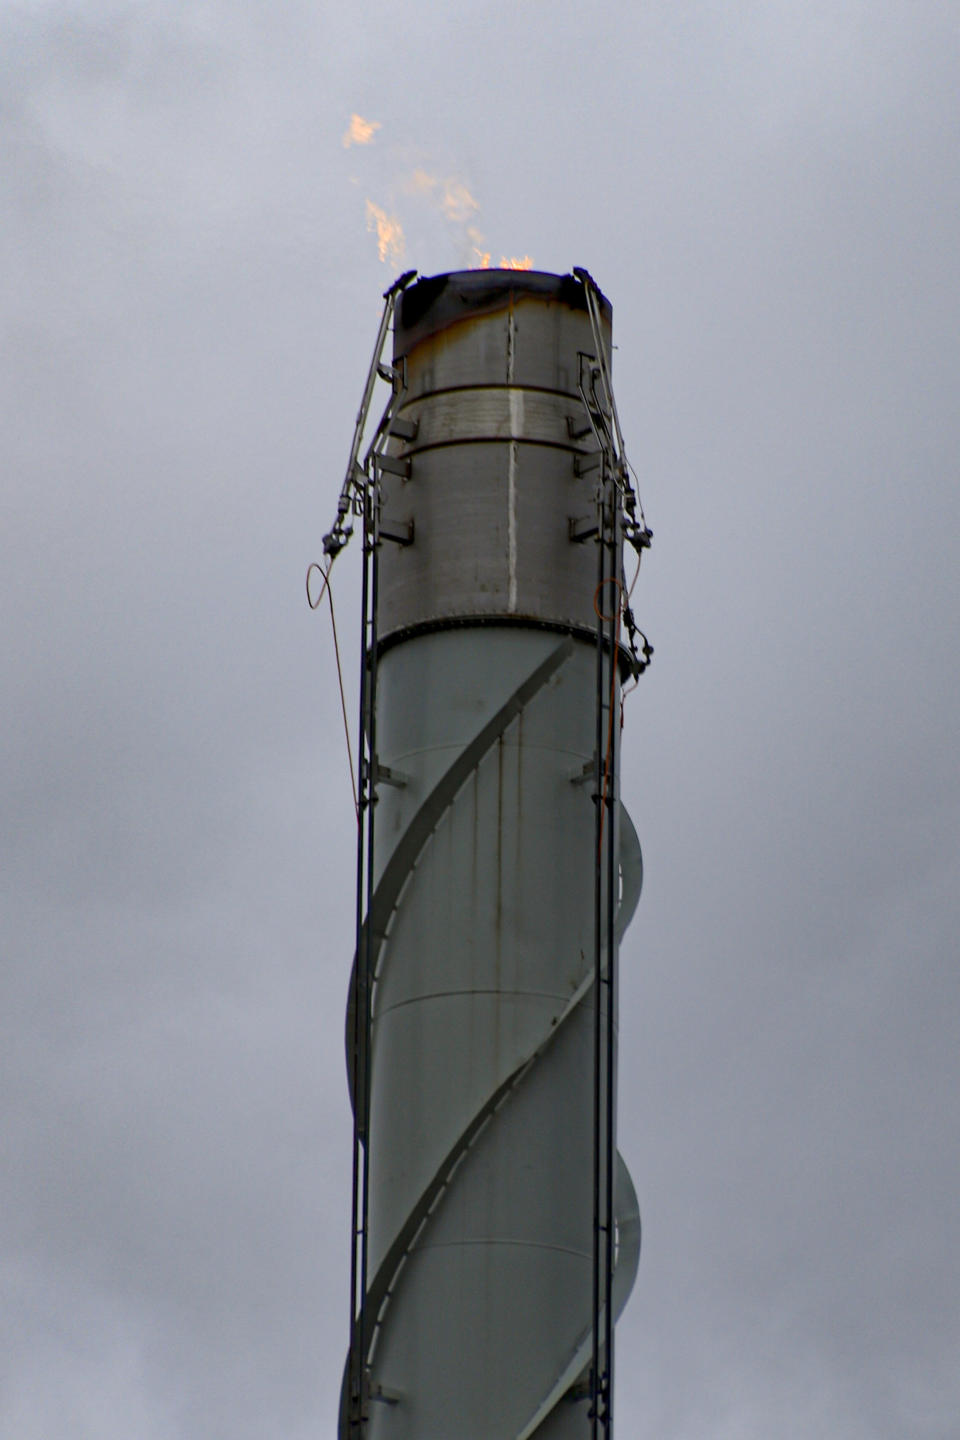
437 301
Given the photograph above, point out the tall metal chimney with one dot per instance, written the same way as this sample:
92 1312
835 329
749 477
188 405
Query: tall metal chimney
495 1229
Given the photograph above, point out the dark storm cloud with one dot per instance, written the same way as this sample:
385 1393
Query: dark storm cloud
187 299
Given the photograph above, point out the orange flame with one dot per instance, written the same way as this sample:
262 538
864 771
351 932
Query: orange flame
448 194
360 131
482 261
390 242
478 247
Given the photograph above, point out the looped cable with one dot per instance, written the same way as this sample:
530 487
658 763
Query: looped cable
314 604
327 588
608 580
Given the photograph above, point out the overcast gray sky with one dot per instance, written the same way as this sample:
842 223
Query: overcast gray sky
769 193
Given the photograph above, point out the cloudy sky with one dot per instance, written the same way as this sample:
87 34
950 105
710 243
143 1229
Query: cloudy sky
769 193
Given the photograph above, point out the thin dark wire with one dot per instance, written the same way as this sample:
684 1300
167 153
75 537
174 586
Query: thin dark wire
636 576
609 580
643 518
630 689
623 699
326 586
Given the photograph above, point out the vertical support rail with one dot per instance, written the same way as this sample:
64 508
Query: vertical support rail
360 1076
357 476
612 546
367 749
595 1376
607 603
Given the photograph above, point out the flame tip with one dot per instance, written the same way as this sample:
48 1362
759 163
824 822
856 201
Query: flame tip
507 262
360 131
390 242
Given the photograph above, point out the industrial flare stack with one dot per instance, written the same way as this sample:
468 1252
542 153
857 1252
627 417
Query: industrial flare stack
495 1227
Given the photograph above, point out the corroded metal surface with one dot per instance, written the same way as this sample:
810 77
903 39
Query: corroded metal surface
502 459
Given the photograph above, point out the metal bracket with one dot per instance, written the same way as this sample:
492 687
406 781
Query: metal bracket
388 776
586 528
400 533
404 429
583 464
586 772
393 465
386 1396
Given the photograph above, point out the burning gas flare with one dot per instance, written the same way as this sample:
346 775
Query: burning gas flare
447 194
478 249
360 131
390 242
483 257
507 262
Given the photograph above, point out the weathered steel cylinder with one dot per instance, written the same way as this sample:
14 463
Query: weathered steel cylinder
502 457
482 1051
